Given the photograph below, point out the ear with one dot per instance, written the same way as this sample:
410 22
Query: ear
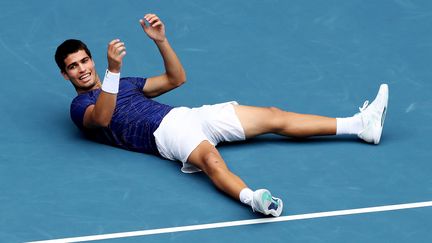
64 74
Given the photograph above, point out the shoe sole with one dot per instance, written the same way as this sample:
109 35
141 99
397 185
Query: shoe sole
383 89
278 212
265 210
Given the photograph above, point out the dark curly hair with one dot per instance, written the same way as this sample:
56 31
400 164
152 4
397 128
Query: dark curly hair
68 47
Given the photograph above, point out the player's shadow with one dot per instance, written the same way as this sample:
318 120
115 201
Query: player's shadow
275 139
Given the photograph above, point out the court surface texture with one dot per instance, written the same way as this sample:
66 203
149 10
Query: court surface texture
318 57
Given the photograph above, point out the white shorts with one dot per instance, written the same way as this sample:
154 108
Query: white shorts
183 129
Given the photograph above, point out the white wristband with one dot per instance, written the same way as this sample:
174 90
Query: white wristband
111 82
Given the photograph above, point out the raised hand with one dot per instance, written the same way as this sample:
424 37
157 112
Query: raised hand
116 52
155 28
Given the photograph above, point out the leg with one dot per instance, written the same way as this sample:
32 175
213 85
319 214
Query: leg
261 120
207 158
367 125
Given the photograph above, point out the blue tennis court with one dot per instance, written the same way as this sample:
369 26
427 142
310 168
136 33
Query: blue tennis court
319 57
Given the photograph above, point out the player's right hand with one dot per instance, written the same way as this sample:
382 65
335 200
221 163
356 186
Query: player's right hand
116 52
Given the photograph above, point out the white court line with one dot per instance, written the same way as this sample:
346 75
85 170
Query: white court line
241 222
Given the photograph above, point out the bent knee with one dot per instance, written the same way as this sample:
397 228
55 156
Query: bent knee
282 120
213 163
275 112
276 119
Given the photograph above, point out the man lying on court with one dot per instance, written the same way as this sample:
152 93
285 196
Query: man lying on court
120 112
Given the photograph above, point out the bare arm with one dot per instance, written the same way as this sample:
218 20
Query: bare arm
175 74
100 114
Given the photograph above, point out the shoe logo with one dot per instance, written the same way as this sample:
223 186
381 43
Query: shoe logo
383 115
266 197
273 205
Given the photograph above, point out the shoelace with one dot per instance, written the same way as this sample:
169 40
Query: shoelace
365 105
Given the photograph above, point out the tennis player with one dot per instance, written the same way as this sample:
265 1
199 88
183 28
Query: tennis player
120 111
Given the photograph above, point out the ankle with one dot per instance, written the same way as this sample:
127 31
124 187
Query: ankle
246 195
349 125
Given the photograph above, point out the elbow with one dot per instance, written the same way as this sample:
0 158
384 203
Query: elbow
97 115
101 121
104 124
178 80
182 79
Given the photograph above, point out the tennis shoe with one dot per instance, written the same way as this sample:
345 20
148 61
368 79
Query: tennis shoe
373 115
265 203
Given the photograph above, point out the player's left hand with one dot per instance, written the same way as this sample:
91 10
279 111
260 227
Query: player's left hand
155 28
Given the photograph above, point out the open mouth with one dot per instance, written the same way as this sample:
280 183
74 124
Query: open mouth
85 77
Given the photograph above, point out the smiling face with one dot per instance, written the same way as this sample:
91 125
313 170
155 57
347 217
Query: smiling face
80 70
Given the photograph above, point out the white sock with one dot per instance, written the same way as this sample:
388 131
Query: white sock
349 125
246 196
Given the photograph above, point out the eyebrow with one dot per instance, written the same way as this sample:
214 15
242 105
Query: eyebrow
74 63
68 66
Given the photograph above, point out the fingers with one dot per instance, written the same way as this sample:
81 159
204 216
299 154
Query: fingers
116 48
152 19
116 52
153 27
